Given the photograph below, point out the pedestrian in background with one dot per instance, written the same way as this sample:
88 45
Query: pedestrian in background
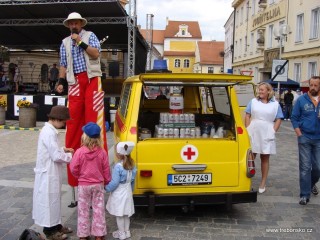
296 95
1 69
16 77
90 165
46 210
120 201
288 99
262 120
53 77
80 72
306 123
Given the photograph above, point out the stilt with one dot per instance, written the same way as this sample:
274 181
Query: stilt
73 203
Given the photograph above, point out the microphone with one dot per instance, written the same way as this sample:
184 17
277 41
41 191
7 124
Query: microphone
72 32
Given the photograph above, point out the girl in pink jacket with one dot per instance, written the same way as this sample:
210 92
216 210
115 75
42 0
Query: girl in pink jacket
90 165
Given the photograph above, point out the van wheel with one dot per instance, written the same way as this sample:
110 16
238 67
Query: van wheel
228 204
151 206
185 209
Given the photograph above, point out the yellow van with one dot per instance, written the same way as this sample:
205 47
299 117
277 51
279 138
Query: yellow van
192 147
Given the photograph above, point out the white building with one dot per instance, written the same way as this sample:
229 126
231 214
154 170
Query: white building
228 44
260 26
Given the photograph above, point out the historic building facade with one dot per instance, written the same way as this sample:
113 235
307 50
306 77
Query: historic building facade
276 29
209 57
180 40
180 44
228 44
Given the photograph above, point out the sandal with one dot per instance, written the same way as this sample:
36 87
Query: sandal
66 230
57 236
99 238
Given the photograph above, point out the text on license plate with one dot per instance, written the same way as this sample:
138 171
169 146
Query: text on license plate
189 179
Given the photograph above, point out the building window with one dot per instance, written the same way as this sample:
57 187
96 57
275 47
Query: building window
177 63
312 69
299 29
270 36
245 44
236 49
253 7
252 42
271 2
183 32
315 23
186 63
256 74
297 72
210 69
240 48
241 16
247 11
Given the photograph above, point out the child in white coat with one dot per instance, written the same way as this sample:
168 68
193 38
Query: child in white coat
120 201
51 157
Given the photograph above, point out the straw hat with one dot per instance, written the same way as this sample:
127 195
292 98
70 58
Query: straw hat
75 16
59 112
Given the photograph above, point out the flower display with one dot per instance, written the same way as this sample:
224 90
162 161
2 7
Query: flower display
3 103
23 103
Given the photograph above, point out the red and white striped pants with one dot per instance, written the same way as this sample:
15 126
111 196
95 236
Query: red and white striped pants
85 102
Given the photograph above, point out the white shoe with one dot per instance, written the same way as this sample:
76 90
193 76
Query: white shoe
128 234
118 234
262 190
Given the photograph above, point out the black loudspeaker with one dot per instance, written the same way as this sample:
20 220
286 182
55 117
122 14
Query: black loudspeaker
114 69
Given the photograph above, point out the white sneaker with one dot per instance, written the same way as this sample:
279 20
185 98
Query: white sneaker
128 234
118 234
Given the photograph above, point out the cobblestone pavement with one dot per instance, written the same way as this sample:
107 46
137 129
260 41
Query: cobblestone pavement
276 215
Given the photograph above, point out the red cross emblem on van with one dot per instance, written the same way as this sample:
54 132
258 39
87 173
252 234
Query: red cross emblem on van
189 153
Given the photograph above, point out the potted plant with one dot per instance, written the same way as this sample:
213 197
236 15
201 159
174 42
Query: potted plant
27 113
3 105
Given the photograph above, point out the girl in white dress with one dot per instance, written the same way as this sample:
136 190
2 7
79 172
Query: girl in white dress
262 120
120 201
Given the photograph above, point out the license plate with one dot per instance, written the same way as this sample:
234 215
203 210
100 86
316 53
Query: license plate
189 179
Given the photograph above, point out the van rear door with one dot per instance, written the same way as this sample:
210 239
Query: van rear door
194 163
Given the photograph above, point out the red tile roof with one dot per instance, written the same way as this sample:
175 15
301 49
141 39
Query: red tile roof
173 28
210 52
157 36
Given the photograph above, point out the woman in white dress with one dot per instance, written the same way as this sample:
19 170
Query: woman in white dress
262 120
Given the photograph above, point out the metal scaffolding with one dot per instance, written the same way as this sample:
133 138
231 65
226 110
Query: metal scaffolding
12 2
149 39
132 23
58 21
130 20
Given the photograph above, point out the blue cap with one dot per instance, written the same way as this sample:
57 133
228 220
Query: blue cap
92 130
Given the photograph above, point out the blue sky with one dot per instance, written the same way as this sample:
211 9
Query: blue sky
211 14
